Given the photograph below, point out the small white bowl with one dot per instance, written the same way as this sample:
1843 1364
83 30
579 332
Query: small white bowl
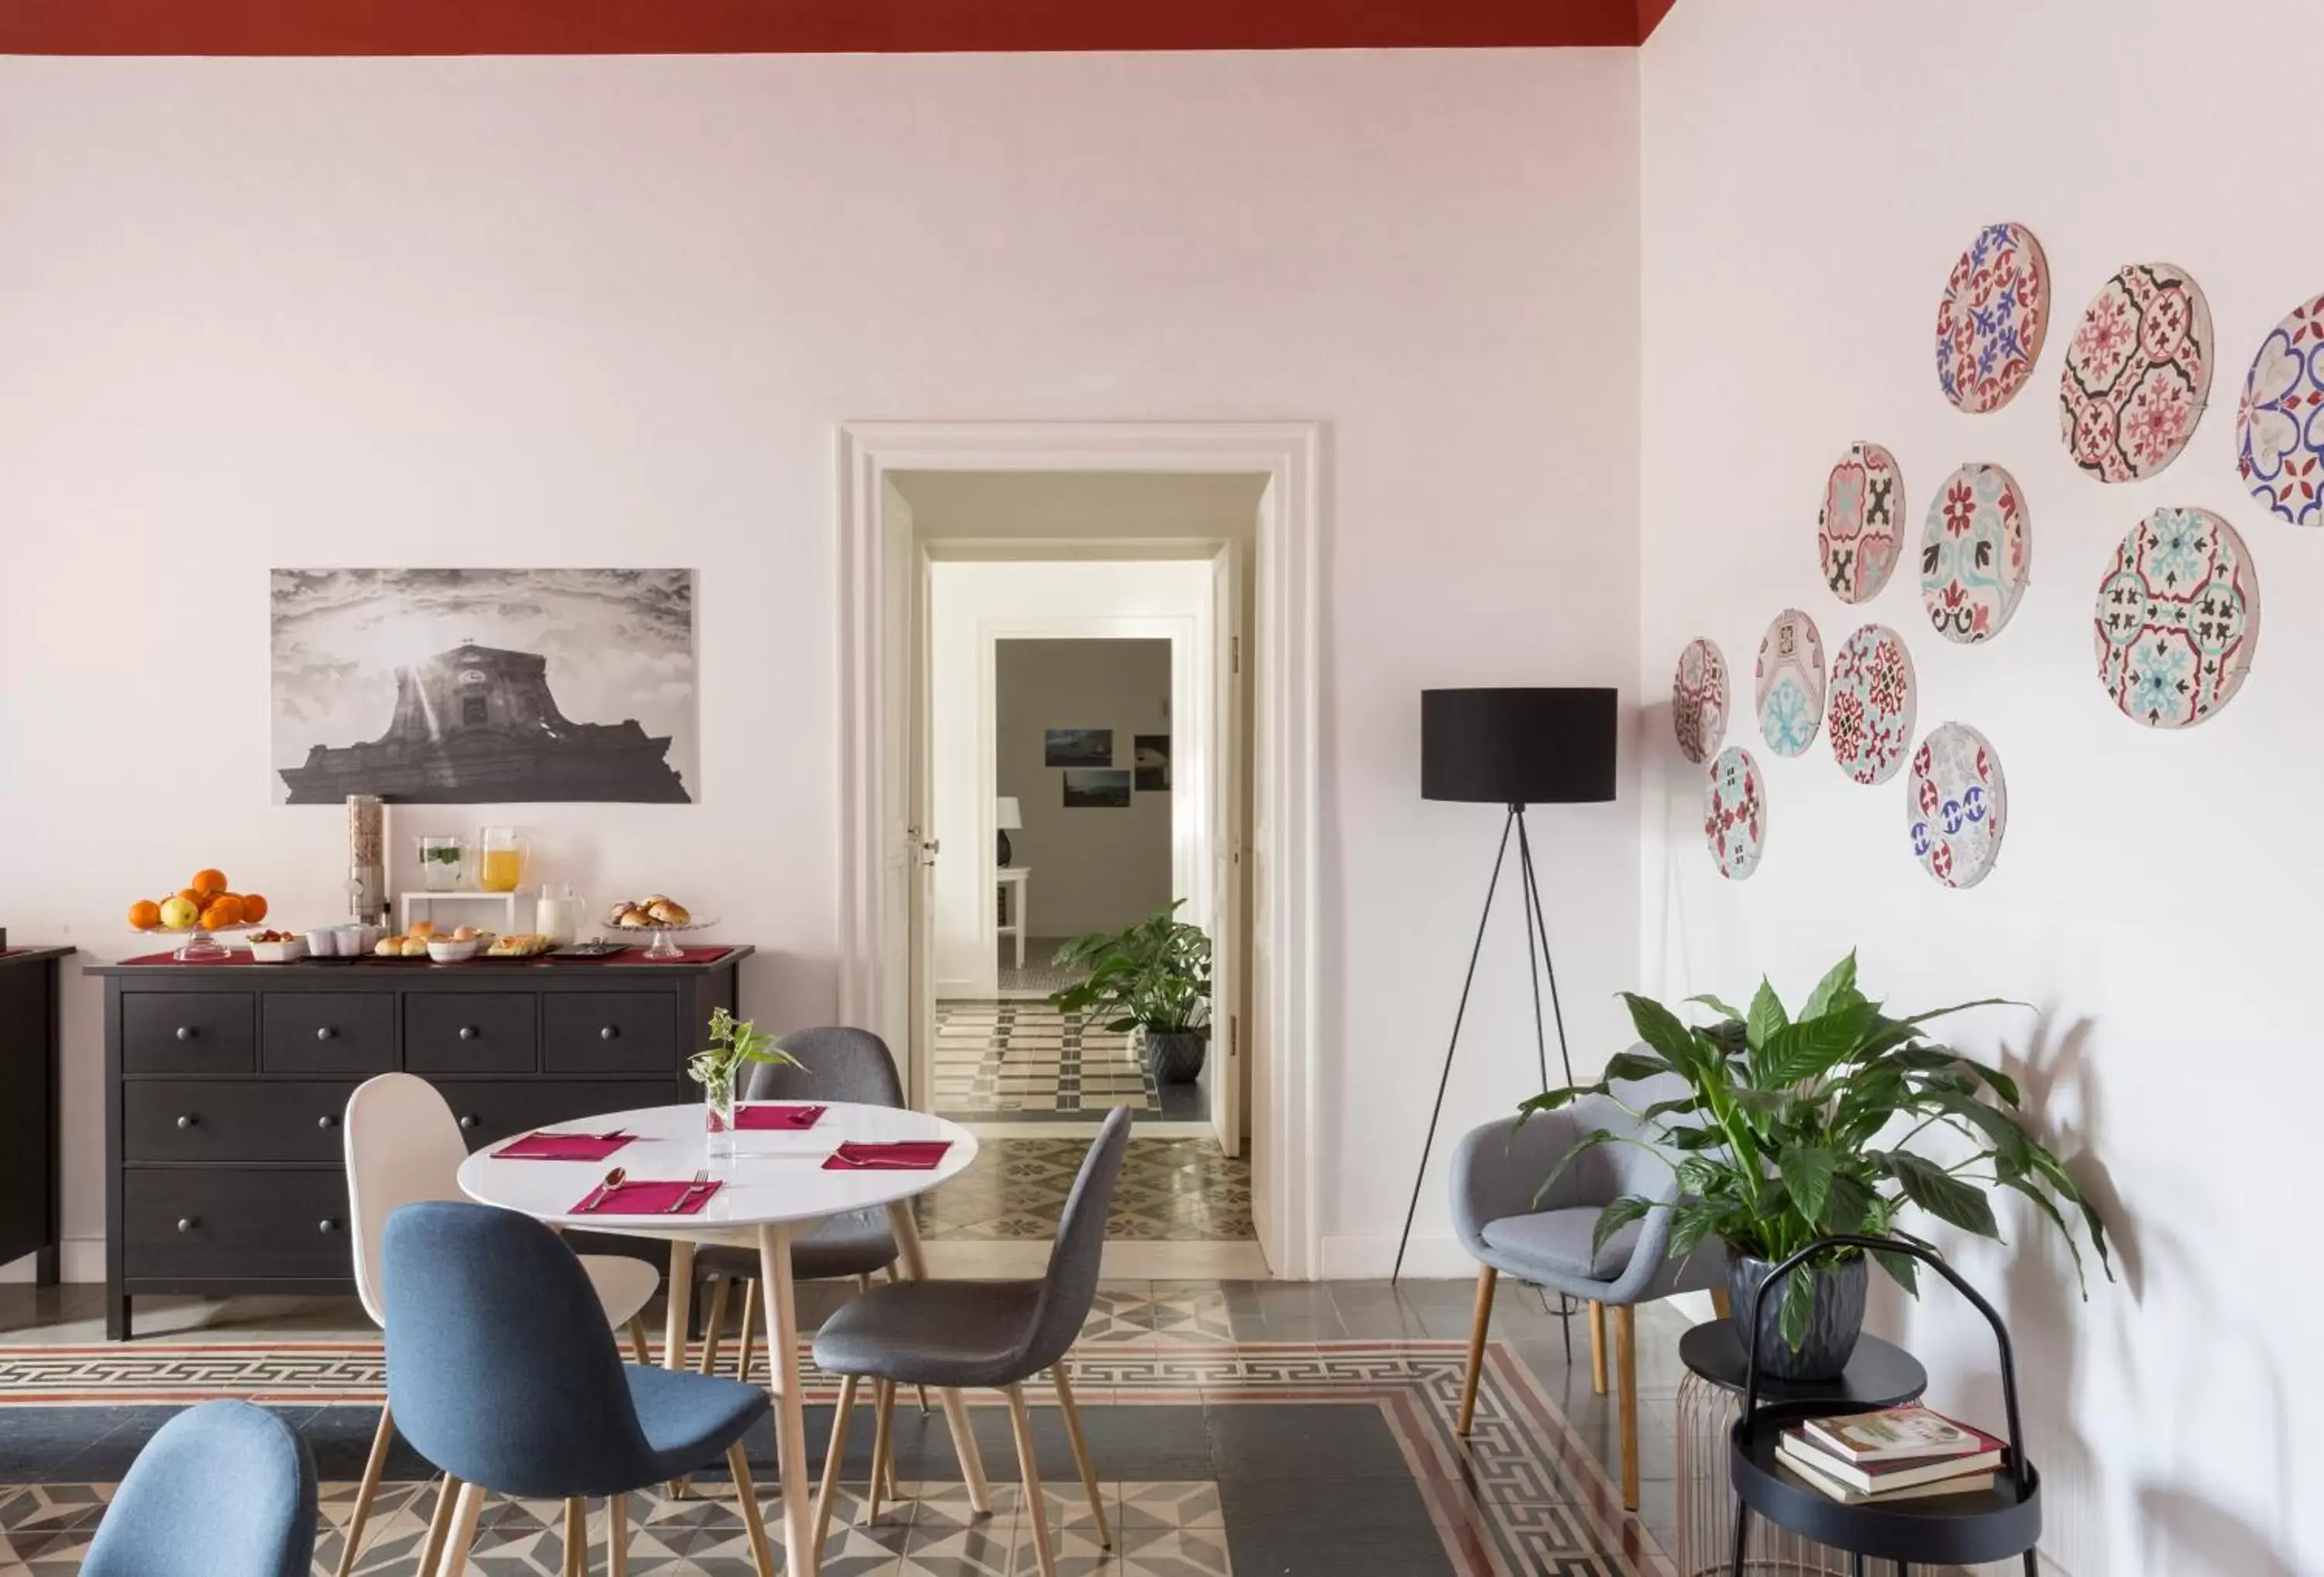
444 950
323 941
289 952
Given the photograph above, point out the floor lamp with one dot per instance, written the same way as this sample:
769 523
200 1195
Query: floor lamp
1513 748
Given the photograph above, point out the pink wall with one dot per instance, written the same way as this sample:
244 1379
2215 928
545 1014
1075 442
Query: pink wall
1810 172
578 312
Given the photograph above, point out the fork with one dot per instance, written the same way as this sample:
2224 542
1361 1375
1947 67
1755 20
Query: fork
701 1178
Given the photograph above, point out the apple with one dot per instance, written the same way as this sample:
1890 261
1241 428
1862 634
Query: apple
179 914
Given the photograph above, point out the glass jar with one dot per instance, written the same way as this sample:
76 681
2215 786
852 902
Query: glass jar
442 857
557 915
718 1110
500 858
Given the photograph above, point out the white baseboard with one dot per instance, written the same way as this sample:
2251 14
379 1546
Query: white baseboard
1373 1258
77 1259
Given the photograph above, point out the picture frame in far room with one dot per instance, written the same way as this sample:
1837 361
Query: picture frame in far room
1077 747
1097 789
1150 756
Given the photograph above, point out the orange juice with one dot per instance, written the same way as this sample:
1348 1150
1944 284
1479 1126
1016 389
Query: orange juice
501 870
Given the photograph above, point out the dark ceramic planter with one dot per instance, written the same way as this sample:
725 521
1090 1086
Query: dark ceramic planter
1176 1058
1834 1322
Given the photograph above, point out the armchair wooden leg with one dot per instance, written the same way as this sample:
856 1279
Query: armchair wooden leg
712 1324
830 1492
1625 1366
639 1345
883 1462
1028 1468
462 1533
577 1537
439 1527
1487 1277
368 1490
749 1318
617 1535
1066 1405
761 1555
1719 1303
1598 1347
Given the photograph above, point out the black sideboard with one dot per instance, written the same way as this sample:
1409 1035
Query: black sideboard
227 1083
28 1118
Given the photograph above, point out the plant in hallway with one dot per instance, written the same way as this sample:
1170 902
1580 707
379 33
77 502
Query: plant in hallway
1154 977
717 1066
1782 1130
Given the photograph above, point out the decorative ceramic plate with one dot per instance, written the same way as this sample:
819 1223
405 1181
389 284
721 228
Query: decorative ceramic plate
1992 320
2178 618
1956 805
1735 813
1975 551
2137 373
2279 423
1868 713
1699 700
1857 529
1787 683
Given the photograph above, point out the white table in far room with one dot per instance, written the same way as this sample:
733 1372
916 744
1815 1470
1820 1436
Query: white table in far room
1013 882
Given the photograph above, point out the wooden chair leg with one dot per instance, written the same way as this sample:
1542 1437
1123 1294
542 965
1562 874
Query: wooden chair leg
1598 1347
1028 1468
749 1318
1625 1365
831 1460
368 1490
462 1535
712 1324
1073 1413
639 1345
883 1462
617 1535
762 1556
439 1527
577 1537
1486 1278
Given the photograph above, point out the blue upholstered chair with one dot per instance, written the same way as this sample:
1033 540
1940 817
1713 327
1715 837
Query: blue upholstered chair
501 1371
998 1333
1496 1171
223 1487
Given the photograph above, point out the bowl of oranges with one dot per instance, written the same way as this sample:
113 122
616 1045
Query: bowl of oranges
199 911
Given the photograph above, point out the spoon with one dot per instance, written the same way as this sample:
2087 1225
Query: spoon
614 1179
678 1205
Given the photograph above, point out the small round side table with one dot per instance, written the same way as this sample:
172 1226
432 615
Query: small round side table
1880 1374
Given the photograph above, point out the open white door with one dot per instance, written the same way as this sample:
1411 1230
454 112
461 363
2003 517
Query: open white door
925 848
1225 1074
905 1010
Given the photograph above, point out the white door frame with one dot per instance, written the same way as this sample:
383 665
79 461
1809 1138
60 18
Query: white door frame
1286 1110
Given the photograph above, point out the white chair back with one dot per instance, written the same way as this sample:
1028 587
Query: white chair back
402 1145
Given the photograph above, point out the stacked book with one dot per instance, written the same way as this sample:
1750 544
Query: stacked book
1898 1453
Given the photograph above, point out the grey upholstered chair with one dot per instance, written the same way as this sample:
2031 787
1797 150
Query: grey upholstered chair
998 1333
1496 1171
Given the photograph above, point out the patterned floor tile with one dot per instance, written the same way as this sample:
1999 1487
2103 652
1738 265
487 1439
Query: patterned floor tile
1171 1190
1027 1057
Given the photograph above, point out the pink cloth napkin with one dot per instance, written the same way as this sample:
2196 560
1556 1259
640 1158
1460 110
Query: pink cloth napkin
786 1117
642 1198
913 1155
549 1146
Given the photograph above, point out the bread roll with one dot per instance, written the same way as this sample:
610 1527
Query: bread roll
414 948
670 913
388 947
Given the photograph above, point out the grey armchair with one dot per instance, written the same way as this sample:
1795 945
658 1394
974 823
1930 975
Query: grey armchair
1496 1171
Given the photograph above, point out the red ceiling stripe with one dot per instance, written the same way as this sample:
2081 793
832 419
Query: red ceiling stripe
608 27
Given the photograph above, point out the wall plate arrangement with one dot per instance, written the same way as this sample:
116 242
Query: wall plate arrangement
1857 530
2137 373
1992 319
1957 804
1735 813
1699 700
1868 711
1976 550
2178 618
2279 421
1788 683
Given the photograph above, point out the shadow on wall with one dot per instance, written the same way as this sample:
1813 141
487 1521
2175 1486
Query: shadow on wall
2182 1532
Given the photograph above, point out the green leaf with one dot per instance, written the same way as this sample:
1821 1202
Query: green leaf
1812 1046
1551 1100
1707 1000
1942 1195
1659 1027
1629 1208
1849 1205
1902 1268
1767 1015
1631 1066
1799 1306
2021 1183
1691 1223
1840 979
1807 1172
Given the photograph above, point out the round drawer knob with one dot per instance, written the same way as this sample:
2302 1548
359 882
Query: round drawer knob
185 1224
185 1032
467 1031
325 1033
188 1120
327 1121
610 1032
469 1121
326 1225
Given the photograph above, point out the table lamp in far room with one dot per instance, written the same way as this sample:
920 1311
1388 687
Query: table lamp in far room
1008 819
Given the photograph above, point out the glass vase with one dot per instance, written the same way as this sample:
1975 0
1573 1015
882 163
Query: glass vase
719 1111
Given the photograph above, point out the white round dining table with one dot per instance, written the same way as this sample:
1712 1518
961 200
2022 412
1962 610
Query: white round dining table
773 1188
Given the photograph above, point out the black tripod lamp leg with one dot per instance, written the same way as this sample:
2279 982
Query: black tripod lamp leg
1549 966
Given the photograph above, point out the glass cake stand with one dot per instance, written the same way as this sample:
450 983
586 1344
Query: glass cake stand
200 942
661 950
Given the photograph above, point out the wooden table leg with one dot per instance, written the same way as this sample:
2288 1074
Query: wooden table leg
786 1382
907 1234
681 1304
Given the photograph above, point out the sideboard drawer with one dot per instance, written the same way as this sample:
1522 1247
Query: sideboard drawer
610 1032
326 1032
491 1109
194 1222
469 1032
216 1120
187 1032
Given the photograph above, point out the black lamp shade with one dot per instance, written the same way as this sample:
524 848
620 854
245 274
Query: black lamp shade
1517 746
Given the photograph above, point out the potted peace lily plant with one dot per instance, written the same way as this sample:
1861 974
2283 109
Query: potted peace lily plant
1154 977
1784 1129
734 1042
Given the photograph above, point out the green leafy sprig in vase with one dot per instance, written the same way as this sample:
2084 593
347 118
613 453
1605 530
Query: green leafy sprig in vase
717 1066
